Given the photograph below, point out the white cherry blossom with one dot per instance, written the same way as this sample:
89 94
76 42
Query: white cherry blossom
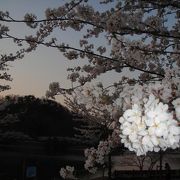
149 128
67 172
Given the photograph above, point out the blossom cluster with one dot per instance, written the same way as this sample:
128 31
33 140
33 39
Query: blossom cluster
29 19
166 90
97 156
67 172
96 102
149 127
176 104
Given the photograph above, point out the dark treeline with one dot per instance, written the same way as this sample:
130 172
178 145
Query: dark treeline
35 117
30 118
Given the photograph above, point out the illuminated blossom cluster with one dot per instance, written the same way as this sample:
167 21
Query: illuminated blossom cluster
67 172
150 127
90 163
97 156
166 89
92 99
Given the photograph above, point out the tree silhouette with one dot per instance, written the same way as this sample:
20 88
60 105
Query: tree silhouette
36 117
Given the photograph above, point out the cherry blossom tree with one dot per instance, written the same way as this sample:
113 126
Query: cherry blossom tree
138 35
137 39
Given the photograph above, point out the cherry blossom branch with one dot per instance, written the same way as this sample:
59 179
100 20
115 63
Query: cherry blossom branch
124 30
52 19
141 49
127 30
134 81
86 52
162 51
